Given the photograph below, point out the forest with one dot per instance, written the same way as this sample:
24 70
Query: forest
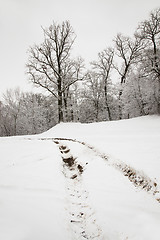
123 82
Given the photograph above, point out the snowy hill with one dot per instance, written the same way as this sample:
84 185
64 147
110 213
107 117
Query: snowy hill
134 141
82 181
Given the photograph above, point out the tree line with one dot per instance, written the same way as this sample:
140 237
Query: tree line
123 82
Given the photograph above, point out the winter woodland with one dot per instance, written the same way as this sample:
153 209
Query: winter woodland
123 82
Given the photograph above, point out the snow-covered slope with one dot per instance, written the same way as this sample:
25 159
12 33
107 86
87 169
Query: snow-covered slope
134 141
42 196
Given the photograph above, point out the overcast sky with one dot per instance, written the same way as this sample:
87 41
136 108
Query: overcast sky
95 22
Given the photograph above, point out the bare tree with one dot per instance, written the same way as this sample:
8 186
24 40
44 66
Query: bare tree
49 65
104 67
26 113
93 93
149 31
73 72
12 102
128 51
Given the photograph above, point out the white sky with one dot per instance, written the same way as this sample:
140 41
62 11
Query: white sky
95 22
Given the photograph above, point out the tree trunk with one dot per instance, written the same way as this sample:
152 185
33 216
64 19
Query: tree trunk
158 106
66 108
106 102
120 104
60 101
97 109
157 71
141 102
60 112
108 111
15 125
72 114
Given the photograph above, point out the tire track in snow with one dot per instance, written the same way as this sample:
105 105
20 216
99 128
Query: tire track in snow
82 217
138 179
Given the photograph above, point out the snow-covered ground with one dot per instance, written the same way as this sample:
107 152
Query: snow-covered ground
42 197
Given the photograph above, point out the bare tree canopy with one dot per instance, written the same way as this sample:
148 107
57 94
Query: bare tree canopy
50 65
149 32
104 66
129 51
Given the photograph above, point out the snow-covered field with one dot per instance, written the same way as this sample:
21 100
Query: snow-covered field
44 197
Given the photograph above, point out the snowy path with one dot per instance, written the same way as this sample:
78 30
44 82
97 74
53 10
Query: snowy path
138 179
83 223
